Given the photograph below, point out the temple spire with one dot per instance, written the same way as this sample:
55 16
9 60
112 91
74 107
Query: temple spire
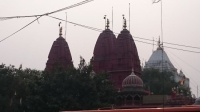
60 30
159 45
132 73
107 24
124 25
105 21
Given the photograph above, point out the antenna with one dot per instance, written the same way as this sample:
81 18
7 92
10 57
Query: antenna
112 18
65 25
129 18
153 44
197 92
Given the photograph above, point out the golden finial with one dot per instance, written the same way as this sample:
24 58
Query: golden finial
132 73
60 30
105 21
107 24
124 26
159 45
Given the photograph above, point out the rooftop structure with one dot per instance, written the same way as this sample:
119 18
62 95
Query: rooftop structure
159 60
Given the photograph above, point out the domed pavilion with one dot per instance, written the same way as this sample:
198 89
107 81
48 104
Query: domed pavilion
132 91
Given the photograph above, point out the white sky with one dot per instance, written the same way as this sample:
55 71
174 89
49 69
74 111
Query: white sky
31 46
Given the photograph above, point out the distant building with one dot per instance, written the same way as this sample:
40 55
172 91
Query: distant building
59 54
159 60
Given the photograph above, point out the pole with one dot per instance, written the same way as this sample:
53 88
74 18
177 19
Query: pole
197 92
112 18
65 25
161 21
153 44
129 18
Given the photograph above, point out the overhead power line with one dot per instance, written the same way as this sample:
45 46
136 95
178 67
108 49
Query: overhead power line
180 66
169 43
100 30
169 47
39 16
185 62
81 3
72 6
88 27
20 29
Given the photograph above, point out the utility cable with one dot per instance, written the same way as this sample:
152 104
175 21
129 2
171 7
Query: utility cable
169 43
72 6
81 3
185 62
20 29
169 47
100 30
88 27
181 67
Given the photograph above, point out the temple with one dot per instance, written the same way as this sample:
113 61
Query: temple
159 60
104 51
59 54
116 56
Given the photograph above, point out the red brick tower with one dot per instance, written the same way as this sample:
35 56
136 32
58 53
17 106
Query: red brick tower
104 51
59 54
126 57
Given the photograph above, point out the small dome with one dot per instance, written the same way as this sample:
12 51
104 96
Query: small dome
132 81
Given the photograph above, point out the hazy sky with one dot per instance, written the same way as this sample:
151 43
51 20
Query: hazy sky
31 46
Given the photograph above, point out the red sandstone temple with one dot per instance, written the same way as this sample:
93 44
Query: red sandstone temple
117 56
59 54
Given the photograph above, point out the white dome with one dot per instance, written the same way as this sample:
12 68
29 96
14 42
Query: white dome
132 81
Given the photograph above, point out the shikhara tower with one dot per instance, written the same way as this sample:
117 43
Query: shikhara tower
59 54
116 56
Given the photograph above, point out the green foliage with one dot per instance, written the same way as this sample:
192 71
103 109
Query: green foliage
61 89
159 82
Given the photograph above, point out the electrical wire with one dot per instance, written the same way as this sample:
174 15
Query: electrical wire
100 30
72 6
20 29
81 3
185 62
169 43
180 67
168 47
38 16
88 27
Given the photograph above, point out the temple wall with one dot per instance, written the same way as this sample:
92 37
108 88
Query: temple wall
155 99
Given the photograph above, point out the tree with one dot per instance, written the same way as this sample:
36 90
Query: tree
62 89
14 87
159 82
72 89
